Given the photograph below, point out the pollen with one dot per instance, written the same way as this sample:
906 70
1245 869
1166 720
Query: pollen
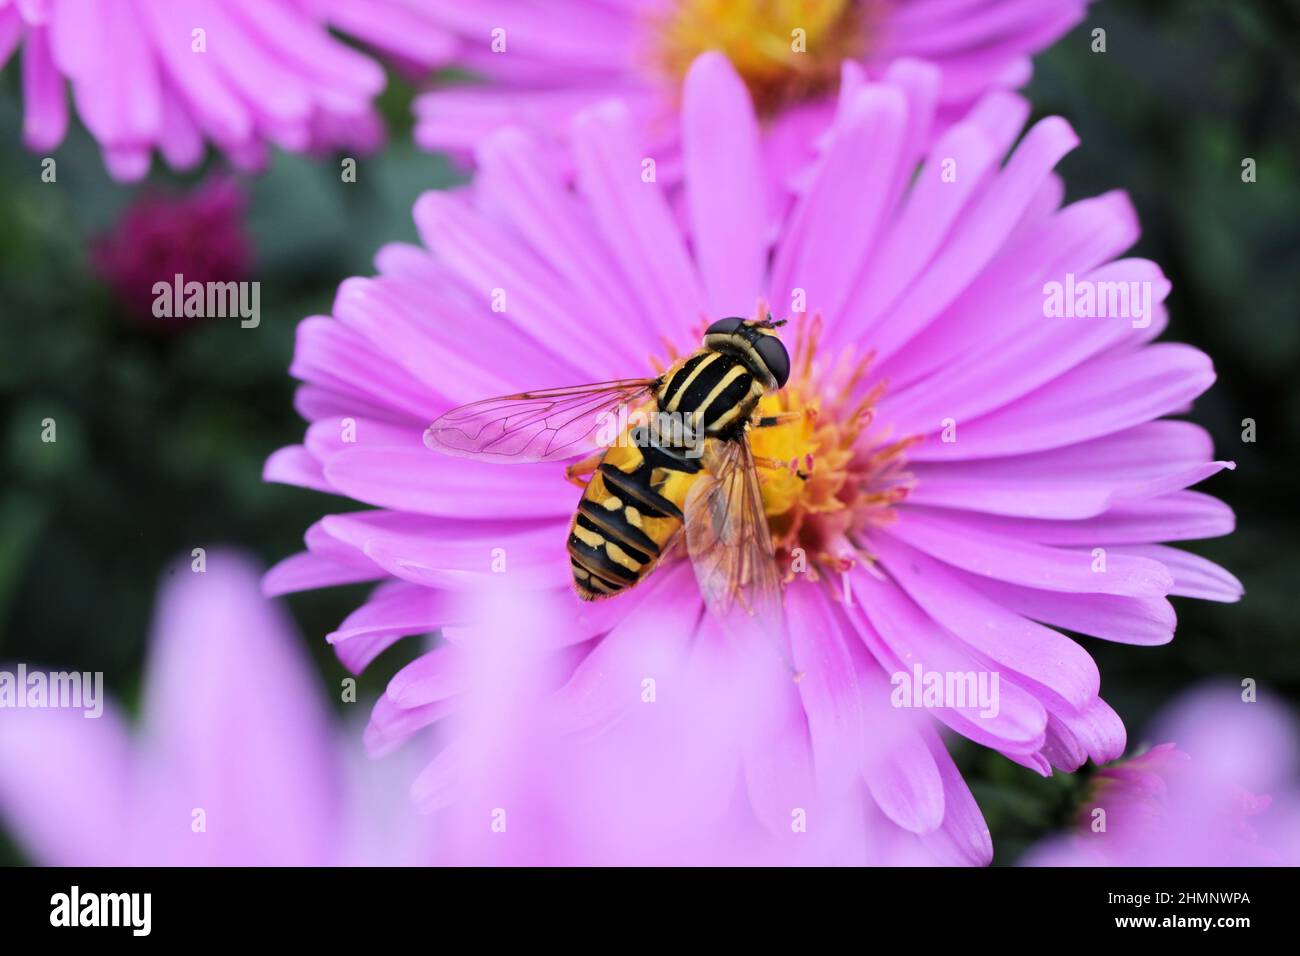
786 51
826 474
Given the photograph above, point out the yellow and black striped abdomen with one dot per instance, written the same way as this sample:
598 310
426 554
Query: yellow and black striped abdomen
631 510
629 513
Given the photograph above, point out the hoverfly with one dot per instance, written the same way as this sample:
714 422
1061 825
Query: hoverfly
645 491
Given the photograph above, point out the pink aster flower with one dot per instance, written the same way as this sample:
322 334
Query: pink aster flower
978 476
1224 792
173 75
631 756
200 235
545 61
416 35
235 760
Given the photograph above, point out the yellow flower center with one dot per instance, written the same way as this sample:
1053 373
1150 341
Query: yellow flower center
826 472
786 51
826 476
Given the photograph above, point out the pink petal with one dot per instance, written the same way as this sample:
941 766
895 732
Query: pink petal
11 32
518 184
1034 352
964 836
1107 394
927 214
391 725
221 757
306 571
390 467
836 205
1077 481
1045 657
395 610
180 140
969 542
439 552
607 686
1127 620
403 31
1073 737
395 314
431 677
296 39
294 465
899 768
45 121
1193 575
724 185
65 785
830 688
978 236
329 353
905 636
488 257
217 110
1179 516
635 220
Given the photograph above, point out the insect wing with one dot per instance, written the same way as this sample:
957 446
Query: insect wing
546 425
729 544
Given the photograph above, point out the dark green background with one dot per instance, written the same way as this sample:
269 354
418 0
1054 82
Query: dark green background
162 436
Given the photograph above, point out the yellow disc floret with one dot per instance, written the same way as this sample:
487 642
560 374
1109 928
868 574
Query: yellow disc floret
824 479
785 50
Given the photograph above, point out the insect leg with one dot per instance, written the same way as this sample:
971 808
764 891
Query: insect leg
785 418
580 470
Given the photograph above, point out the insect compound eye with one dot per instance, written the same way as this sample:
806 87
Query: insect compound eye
772 351
724 326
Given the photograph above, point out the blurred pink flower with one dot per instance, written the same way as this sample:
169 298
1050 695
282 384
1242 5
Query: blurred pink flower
545 61
981 474
200 235
632 755
416 35
1225 792
233 724
173 75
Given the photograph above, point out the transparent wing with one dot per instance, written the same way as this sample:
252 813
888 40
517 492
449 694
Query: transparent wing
551 424
729 544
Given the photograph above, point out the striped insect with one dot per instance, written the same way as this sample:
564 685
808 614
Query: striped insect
678 464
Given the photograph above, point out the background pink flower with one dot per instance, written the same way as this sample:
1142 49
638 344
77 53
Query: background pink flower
1223 792
633 758
545 61
261 72
982 477
232 723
